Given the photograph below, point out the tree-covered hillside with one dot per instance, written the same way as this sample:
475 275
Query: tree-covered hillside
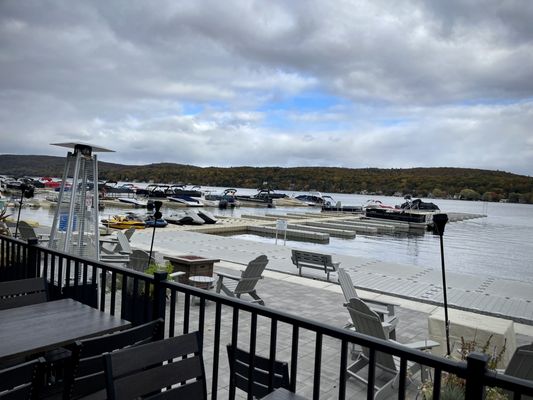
473 184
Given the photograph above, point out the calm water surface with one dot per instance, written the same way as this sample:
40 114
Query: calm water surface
500 245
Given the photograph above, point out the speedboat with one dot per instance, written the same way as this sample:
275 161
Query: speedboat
133 201
314 199
376 204
222 200
185 200
418 204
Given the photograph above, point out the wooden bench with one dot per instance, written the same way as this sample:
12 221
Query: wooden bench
306 259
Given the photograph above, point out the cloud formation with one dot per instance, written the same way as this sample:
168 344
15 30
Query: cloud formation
339 83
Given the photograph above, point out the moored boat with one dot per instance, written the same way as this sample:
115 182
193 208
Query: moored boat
313 199
185 200
133 201
124 222
150 221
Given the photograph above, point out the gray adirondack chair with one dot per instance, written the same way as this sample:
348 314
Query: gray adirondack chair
26 231
236 286
386 311
521 365
368 322
116 250
140 260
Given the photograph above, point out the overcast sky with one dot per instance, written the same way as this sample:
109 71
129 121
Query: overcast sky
387 84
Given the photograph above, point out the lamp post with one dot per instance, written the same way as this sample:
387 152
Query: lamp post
439 221
26 190
157 215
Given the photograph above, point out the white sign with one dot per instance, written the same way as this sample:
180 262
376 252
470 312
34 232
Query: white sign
281 225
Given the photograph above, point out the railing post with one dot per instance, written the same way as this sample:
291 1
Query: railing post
160 299
476 366
32 269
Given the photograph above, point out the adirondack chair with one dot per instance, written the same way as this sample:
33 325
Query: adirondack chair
368 322
139 260
521 365
116 250
139 372
236 286
129 233
26 231
386 311
23 292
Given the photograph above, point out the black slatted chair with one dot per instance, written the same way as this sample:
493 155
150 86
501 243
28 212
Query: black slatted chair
23 292
239 362
22 381
85 375
143 370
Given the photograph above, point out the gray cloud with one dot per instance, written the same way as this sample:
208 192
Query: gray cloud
221 83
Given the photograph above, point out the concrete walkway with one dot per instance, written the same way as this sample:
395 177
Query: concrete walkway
486 295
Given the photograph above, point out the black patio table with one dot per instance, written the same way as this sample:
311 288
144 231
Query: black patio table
40 327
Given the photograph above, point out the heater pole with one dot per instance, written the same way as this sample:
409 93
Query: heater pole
439 222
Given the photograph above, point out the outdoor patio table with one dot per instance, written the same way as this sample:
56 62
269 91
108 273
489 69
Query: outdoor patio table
40 327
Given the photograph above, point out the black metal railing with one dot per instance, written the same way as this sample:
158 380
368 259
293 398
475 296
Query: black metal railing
139 297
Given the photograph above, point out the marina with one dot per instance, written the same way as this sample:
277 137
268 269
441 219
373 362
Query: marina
481 307
234 235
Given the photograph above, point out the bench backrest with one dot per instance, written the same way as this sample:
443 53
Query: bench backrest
300 257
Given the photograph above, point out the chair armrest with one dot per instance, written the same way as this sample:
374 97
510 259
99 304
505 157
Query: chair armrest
421 345
390 306
175 274
249 279
229 276
380 310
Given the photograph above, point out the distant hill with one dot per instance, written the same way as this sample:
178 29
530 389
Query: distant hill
473 184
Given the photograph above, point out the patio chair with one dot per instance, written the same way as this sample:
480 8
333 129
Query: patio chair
182 373
119 251
118 245
85 373
235 286
239 365
521 365
368 322
140 260
23 292
386 311
26 231
22 381
129 233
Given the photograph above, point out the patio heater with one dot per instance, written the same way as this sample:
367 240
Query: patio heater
75 227
439 222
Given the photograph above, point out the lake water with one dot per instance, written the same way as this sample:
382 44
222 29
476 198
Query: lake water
500 245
